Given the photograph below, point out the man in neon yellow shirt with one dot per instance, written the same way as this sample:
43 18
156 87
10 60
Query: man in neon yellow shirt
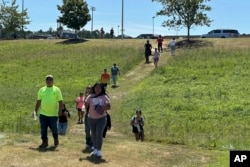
50 102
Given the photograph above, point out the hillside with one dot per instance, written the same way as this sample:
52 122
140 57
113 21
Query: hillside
119 150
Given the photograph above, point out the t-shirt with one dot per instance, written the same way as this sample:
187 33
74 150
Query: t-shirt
63 118
49 96
105 78
93 101
80 102
114 70
148 47
159 40
156 55
172 43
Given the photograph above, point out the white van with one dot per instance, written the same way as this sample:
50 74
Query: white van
221 33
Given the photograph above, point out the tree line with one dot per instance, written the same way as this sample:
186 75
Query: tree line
75 14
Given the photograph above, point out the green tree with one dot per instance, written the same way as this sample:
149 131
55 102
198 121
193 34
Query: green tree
75 14
184 13
11 20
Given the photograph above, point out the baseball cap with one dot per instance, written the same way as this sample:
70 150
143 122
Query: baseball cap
49 76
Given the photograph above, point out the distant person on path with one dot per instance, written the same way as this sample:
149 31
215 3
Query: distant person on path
105 78
112 33
102 32
80 107
98 102
147 48
137 123
156 57
63 121
159 43
108 125
50 102
172 46
114 73
89 144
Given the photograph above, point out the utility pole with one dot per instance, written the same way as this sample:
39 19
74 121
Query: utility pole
23 18
122 29
153 25
92 17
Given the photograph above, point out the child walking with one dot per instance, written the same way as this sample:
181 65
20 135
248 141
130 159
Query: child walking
156 57
80 107
137 123
63 121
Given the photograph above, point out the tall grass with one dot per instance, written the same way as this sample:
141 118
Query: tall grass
24 65
200 98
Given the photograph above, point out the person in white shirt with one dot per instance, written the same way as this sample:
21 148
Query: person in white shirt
156 57
172 46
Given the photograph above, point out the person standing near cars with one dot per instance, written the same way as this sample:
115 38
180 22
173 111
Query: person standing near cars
50 106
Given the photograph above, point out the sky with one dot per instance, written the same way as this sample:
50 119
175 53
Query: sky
138 16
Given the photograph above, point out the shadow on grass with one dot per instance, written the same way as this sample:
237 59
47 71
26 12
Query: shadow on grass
72 41
51 148
93 159
196 43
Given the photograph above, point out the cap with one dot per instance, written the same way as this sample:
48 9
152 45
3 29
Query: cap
49 76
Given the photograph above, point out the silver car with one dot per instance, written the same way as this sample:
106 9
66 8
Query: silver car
221 33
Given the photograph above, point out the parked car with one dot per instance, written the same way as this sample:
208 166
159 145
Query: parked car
124 36
69 35
221 33
147 36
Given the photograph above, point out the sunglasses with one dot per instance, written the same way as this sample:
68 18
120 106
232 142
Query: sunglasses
49 79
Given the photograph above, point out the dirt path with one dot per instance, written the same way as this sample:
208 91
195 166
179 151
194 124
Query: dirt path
140 72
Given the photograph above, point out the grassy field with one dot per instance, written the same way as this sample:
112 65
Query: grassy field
195 104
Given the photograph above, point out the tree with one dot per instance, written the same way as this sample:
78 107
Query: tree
185 13
10 19
75 14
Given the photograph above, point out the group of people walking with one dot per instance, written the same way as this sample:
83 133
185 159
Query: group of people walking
93 103
148 50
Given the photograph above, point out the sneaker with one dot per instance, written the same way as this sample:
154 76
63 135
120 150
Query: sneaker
99 153
43 145
93 153
88 147
56 142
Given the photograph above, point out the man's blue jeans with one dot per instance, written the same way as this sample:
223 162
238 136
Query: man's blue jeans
62 128
50 122
114 79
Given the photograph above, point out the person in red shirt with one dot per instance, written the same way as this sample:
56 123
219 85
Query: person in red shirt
105 78
160 41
